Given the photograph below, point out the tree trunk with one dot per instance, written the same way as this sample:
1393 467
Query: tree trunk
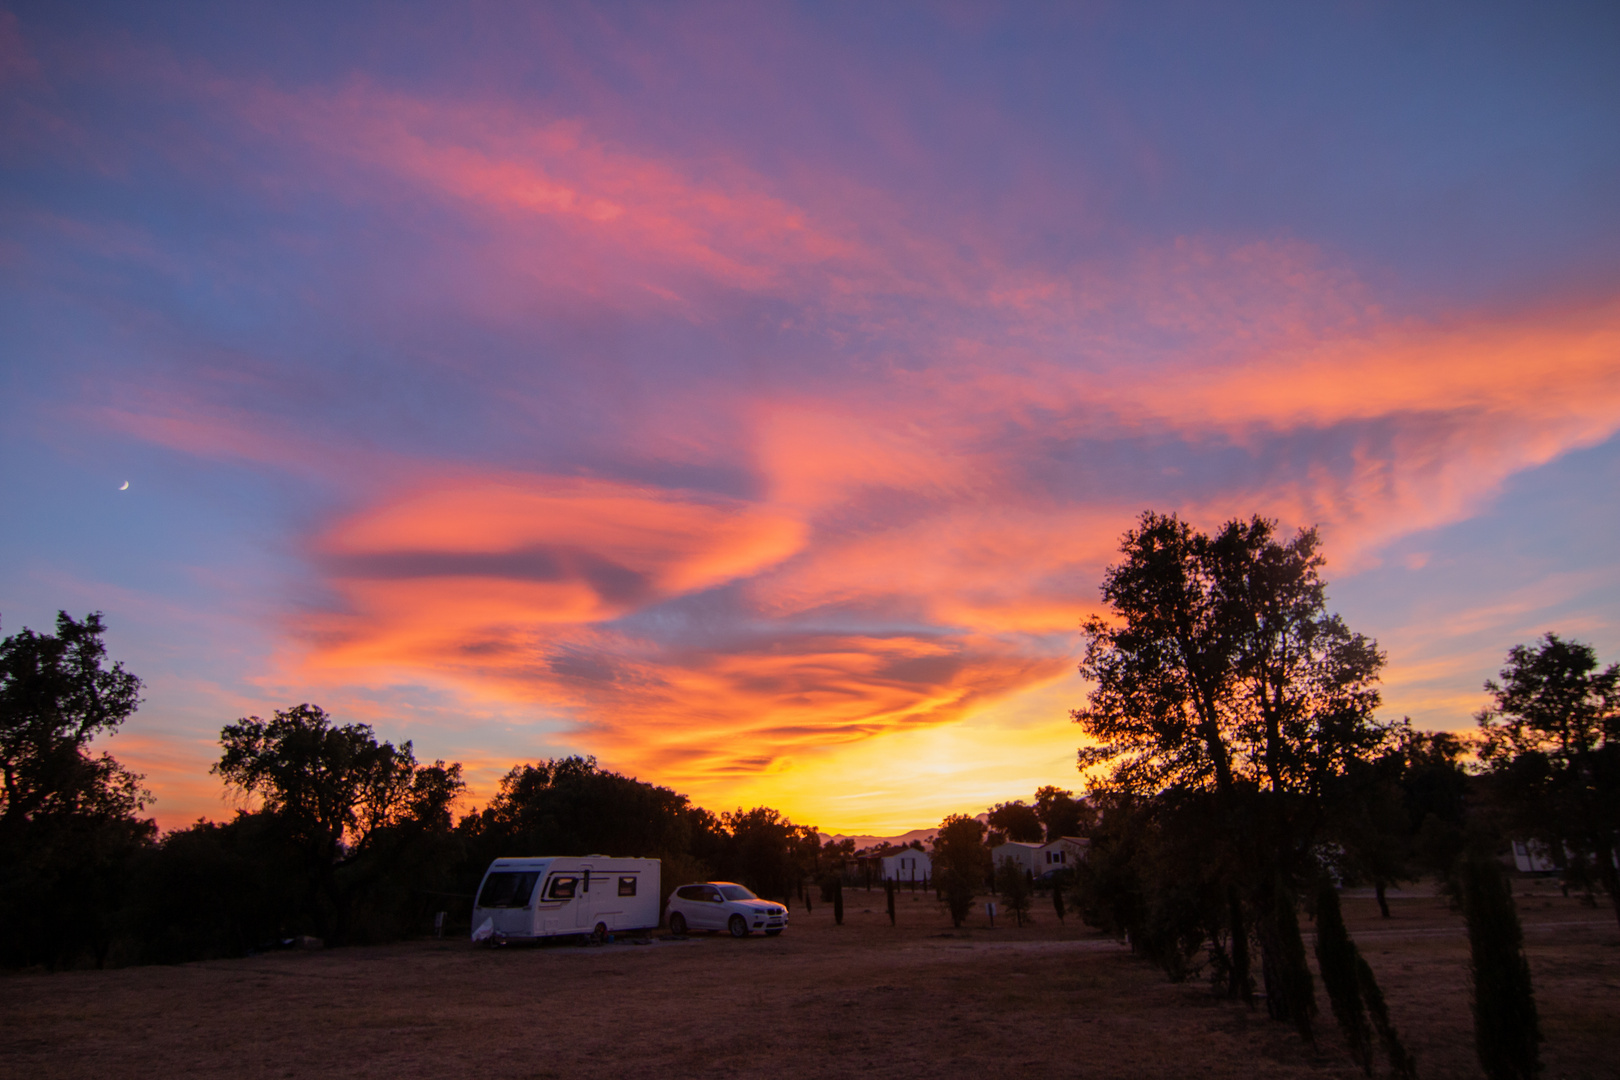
1383 904
1290 994
1241 985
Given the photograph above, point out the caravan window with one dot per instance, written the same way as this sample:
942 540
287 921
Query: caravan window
627 886
562 887
507 889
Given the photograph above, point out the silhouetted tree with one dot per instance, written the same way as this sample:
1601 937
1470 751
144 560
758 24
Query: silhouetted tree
1402 1065
1436 788
1221 671
1061 814
960 862
570 806
1403 813
55 697
1353 991
805 854
69 833
1552 740
1336 958
217 889
342 798
1017 821
1155 875
1015 890
765 847
1506 1028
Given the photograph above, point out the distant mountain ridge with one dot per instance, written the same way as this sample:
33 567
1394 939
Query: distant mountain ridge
864 840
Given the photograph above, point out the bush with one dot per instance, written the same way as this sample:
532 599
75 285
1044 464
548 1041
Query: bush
1015 890
1506 1028
1290 994
1354 991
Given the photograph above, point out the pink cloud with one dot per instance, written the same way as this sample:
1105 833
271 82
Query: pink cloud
897 474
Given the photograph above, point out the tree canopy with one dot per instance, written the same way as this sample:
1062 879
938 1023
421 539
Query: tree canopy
961 862
1221 665
340 797
69 824
1061 814
1552 740
1018 821
56 695
1219 670
335 786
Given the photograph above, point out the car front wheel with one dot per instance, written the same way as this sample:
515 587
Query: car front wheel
739 926
677 924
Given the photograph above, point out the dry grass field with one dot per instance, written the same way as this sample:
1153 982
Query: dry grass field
919 999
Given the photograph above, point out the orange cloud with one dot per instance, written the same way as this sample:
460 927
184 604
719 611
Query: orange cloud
464 567
938 483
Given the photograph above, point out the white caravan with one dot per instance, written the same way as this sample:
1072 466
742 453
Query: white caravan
527 899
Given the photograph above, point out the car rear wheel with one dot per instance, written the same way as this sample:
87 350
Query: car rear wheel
677 924
739 926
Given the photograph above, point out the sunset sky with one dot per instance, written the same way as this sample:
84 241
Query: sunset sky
752 394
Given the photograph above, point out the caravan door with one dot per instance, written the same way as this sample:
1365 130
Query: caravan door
558 901
583 908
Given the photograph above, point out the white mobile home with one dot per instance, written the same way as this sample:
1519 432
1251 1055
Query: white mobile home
907 864
1027 856
526 899
1062 854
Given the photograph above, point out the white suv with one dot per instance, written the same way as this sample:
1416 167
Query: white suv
722 905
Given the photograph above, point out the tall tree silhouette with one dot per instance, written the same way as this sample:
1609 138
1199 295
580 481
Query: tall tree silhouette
960 863
1552 738
68 818
1221 670
339 794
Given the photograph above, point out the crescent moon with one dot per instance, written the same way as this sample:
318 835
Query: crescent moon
124 486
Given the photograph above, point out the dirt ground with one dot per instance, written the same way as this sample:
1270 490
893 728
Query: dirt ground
919 999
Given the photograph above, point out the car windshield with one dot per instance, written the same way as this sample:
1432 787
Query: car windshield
736 892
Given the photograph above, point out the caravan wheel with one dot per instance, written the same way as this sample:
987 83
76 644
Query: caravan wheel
599 935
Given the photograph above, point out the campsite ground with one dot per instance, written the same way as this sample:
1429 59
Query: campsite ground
1044 1001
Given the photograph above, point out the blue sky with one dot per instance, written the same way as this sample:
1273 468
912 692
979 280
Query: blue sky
753 395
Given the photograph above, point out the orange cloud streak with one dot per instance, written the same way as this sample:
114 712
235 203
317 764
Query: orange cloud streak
905 563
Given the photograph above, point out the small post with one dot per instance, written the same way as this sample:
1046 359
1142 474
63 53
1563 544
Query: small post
438 925
888 889
990 910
